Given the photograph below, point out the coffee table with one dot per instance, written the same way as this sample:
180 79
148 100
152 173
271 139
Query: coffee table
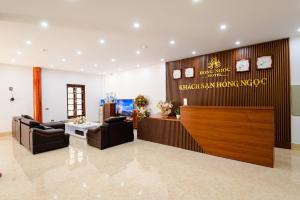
79 130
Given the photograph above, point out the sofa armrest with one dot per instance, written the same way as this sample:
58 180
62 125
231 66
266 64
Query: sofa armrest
55 125
47 132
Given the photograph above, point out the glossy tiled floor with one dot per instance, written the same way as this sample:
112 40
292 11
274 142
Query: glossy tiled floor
141 170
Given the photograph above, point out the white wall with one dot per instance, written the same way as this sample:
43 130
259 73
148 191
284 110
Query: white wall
55 93
295 80
20 78
149 81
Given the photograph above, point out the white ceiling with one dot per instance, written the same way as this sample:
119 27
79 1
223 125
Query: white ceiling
77 25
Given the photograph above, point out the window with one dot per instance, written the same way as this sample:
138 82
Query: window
75 100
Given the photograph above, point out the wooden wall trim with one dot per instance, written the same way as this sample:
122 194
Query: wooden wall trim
276 93
37 93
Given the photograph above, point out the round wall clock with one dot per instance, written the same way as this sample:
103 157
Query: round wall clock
189 72
264 62
243 65
176 74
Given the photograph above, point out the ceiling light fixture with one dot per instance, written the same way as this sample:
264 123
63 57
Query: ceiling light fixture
52 66
162 60
113 60
19 52
136 25
44 24
138 52
298 29
237 43
223 27
137 65
64 60
172 42
194 52
78 53
13 60
28 42
102 41
81 69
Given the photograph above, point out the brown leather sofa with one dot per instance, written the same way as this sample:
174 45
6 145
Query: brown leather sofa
111 133
39 138
16 128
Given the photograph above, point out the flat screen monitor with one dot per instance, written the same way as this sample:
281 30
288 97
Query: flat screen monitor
125 106
102 102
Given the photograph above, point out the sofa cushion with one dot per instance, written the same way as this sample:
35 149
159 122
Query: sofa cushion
26 116
115 119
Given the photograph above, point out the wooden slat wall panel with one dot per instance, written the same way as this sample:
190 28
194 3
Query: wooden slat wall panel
168 132
275 94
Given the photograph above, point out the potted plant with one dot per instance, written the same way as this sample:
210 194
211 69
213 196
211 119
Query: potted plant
177 113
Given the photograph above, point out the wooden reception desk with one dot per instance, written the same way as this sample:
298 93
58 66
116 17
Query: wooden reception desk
239 133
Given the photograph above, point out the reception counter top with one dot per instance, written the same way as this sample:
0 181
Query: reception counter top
239 133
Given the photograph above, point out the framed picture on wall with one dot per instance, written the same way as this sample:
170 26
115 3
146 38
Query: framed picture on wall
176 74
264 62
189 72
243 65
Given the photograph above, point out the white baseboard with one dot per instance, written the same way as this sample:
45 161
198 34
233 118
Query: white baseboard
5 133
296 147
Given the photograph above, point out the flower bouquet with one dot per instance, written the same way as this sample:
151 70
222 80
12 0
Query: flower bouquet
165 108
142 113
80 120
141 101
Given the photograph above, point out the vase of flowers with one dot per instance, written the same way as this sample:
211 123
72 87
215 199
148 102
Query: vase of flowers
141 101
80 120
165 108
142 113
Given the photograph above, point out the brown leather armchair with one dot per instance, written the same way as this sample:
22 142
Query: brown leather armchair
110 134
38 138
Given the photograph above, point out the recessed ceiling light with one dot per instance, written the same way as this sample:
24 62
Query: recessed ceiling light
172 42
196 1
162 60
223 27
137 65
44 24
64 60
102 41
78 52
96 65
19 52
13 60
136 25
237 43
28 42
113 60
298 29
194 52
138 52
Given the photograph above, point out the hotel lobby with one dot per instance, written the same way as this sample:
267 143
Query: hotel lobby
191 99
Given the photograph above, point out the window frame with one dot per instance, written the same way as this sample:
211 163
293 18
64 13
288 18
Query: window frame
75 86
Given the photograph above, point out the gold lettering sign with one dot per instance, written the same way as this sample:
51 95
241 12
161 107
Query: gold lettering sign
225 84
215 69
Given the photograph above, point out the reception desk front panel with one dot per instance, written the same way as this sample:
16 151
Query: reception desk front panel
239 133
